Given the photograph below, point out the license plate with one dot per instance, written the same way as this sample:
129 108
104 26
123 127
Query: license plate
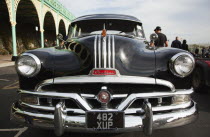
105 120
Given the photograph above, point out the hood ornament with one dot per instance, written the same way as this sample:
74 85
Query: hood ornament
104 32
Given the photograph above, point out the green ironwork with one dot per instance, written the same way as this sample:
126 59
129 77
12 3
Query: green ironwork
57 6
54 5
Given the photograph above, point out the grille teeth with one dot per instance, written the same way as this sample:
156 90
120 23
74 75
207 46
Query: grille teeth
104 52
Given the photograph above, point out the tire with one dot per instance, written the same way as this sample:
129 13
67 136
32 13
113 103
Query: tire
197 81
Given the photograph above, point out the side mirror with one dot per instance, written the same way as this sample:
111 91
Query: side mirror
59 37
153 37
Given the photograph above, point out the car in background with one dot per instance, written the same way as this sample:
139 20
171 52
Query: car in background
201 75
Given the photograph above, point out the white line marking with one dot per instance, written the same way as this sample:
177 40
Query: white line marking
21 130
4 80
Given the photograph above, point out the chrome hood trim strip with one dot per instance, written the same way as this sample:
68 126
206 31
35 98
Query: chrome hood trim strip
104 51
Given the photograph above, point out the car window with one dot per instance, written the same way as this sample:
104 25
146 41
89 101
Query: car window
116 27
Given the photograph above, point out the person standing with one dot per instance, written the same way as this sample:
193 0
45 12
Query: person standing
203 52
176 43
184 45
162 39
54 44
46 43
197 51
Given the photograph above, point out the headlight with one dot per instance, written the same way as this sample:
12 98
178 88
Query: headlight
28 65
182 64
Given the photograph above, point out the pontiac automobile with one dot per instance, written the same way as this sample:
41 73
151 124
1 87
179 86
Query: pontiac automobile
105 78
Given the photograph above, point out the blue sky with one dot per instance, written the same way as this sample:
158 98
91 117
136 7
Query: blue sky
188 19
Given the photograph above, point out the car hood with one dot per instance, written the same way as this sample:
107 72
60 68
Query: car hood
131 56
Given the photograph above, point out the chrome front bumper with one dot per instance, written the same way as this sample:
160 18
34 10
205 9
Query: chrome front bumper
145 118
60 122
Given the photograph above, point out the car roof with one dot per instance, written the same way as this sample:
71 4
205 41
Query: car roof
107 16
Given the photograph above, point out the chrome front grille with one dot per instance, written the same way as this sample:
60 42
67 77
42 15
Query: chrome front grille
131 104
104 51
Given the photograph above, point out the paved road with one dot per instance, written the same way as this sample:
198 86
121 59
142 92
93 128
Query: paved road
9 83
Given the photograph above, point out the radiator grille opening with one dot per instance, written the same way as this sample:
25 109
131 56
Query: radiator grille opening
113 88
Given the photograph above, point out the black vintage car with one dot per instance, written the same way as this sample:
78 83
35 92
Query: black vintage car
105 78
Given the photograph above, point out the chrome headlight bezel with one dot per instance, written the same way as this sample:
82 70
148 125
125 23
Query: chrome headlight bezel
36 61
173 61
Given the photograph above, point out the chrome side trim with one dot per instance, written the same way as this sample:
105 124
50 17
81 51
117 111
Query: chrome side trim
131 98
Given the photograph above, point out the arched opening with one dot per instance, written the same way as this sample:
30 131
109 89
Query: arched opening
62 28
49 30
28 31
5 30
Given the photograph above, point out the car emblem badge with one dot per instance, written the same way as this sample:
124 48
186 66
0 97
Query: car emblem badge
104 97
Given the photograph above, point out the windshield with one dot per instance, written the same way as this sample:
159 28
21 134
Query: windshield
117 27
